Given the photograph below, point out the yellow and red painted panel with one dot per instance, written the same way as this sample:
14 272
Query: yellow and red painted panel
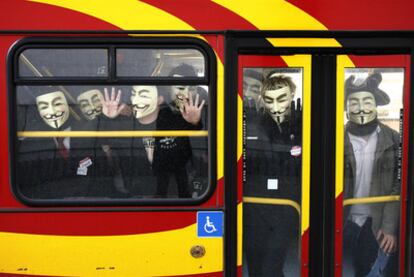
206 15
129 253
87 243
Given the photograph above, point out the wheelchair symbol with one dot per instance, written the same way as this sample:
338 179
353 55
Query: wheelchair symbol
209 226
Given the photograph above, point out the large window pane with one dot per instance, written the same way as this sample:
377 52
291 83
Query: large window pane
130 161
272 170
373 108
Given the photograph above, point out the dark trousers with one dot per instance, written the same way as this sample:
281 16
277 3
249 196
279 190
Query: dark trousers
360 248
181 177
266 249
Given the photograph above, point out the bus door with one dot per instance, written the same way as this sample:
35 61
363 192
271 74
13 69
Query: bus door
273 181
322 190
371 164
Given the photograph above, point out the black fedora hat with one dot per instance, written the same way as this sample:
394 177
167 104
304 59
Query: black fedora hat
370 84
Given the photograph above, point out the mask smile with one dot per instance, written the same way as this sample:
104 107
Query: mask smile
363 115
93 112
181 97
54 116
279 116
139 108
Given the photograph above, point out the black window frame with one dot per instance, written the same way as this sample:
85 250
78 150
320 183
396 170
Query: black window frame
111 44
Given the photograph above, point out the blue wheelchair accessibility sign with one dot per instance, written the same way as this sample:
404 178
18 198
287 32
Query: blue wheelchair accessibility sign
209 224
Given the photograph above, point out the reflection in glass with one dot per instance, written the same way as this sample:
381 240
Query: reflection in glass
63 63
137 166
252 84
158 62
373 104
272 164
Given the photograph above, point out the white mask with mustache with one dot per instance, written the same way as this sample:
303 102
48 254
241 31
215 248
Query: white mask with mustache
53 108
277 103
90 103
144 100
361 107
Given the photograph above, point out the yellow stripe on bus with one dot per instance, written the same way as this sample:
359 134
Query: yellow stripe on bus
126 14
155 254
120 134
273 14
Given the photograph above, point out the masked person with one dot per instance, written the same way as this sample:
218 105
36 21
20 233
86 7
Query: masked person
273 163
179 97
371 169
181 94
164 156
55 167
90 103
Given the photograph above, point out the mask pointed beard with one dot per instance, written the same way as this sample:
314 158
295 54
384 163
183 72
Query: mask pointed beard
56 124
278 119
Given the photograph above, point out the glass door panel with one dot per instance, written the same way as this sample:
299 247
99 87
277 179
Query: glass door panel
372 109
274 172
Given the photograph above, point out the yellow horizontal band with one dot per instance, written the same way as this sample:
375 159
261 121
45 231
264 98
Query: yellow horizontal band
119 134
272 201
371 200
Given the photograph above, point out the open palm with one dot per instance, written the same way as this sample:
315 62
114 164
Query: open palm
110 106
191 111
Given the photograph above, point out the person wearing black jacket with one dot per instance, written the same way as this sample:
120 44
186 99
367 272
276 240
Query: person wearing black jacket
58 167
272 170
165 156
197 168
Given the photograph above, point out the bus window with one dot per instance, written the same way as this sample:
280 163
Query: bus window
63 63
137 143
160 62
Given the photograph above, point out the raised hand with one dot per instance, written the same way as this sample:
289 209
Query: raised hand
110 105
191 111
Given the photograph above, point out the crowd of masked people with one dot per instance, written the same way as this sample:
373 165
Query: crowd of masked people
123 163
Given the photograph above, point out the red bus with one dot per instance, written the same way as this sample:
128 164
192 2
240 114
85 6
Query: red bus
208 138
